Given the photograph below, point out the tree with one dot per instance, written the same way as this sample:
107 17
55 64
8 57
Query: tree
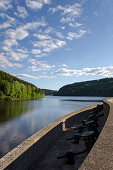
1 94
12 90
23 90
17 89
29 91
7 88
33 91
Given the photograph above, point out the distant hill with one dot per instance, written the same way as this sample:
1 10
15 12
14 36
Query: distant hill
101 87
49 92
15 88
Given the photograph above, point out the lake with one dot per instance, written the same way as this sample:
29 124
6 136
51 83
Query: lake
21 119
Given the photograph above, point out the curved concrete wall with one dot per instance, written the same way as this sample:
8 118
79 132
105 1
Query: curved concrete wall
99 158
37 145
101 155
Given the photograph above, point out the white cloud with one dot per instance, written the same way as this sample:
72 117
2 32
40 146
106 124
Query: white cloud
76 24
9 43
11 20
21 32
25 76
69 12
59 34
41 55
36 51
33 25
79 34
38 68
16 55
36 4
42 37
5 4
101 71
60 43
6 48
63 27
22 50
18 34
49 45
72 35
32 77
64 65
67 19
21 12
4 63
39 65
73 10
50 30
5 25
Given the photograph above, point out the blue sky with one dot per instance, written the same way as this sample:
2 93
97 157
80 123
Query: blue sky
51 43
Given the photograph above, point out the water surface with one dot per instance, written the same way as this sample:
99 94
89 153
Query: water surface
21 119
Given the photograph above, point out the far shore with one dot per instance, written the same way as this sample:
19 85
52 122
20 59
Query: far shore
82 100
17 99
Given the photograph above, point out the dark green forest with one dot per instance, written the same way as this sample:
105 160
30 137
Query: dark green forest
14 88
101 87
49 92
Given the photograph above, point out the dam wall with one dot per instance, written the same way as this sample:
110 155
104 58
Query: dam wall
35 147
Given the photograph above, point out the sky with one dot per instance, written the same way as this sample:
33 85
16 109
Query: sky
52 43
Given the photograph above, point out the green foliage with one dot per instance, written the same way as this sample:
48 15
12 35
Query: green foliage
13 87
1 94
6 88
102 87
12 90
29 91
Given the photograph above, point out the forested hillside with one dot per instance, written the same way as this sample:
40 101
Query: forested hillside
15 88
49 92
102 87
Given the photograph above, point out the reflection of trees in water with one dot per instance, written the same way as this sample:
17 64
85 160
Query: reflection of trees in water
10 136
12 109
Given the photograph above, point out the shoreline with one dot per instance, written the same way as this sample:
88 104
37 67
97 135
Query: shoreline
82 100
18 99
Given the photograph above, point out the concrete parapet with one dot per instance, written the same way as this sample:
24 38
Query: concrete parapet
38 144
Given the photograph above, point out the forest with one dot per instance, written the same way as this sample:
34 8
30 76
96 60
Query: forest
14 88
49 92
101 87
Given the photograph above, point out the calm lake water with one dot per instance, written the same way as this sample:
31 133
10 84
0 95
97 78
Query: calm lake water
21 119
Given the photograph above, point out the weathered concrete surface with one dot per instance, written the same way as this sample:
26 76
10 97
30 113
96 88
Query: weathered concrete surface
101 155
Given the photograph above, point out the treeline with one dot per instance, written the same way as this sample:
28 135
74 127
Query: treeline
102 87
15 88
